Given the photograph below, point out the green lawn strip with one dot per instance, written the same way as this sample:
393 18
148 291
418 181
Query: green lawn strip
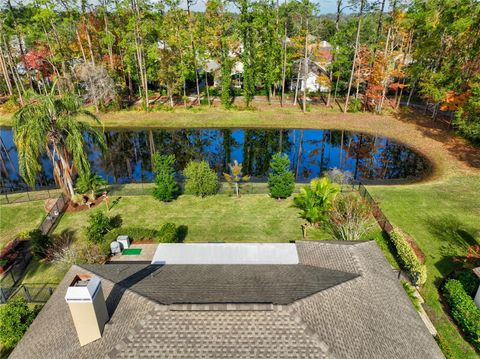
442 217
39 272
132 251
250 218
196 117
18 217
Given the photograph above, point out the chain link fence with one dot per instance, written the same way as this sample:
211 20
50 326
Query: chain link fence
24 194
35 292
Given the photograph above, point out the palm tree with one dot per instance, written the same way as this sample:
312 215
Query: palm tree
316 199
49 124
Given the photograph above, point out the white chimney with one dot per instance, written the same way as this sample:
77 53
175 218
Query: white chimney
87 306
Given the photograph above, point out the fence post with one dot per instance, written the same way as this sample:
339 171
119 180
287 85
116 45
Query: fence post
27 294
50 291
28 195
6 197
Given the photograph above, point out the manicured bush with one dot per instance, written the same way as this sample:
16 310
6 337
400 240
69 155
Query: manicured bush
166 188
40 243
15 318
100 224
167 233
407 257
201 180
463 310
469 281
281 180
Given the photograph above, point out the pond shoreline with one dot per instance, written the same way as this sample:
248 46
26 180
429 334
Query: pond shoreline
448 154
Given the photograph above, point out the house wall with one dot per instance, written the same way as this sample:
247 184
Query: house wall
477 297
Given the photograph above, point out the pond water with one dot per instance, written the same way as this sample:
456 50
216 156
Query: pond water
311 152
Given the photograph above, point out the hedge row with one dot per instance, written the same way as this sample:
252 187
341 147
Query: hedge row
168 233
408 259
463 310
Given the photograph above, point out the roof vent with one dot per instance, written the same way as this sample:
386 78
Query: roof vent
87 306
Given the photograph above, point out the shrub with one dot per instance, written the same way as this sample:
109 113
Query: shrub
463 310
134 233
166 188
100 224
15 318
469 281
170 233
90 183
338 176
407 257
201 180
355 105
315 200
349 218
40 243
60 245
281 180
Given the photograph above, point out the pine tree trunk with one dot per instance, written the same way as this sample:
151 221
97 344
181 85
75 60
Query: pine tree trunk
304 104
3 66
284 64
357 41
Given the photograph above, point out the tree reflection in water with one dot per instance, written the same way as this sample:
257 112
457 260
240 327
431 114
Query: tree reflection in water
311 152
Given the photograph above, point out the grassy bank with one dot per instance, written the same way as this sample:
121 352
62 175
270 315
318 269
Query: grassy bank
443 218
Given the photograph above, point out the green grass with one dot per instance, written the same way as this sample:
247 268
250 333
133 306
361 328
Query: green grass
250 218
18 217
444 219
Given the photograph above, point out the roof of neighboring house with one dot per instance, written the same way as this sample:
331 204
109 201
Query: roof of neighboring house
342 300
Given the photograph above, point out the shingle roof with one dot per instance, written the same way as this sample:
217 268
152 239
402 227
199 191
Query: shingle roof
183 284
365 316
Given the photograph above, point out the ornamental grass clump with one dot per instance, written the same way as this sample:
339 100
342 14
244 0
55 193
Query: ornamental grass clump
350 218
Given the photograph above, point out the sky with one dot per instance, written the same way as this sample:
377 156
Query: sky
326 6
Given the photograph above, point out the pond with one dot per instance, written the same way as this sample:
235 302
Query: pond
311 152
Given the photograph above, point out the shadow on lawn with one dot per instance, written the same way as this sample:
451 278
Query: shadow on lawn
455 238
440 131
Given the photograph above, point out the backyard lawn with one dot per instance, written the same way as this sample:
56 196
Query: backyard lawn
18 217
444 219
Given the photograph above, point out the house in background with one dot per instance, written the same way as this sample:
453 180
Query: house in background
308 299
319 59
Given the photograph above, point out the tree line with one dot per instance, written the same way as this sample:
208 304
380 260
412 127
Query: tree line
115 52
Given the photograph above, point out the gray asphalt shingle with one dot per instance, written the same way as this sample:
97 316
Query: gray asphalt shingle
361 311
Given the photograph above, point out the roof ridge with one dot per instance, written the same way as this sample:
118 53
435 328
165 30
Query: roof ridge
127 289
309 331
